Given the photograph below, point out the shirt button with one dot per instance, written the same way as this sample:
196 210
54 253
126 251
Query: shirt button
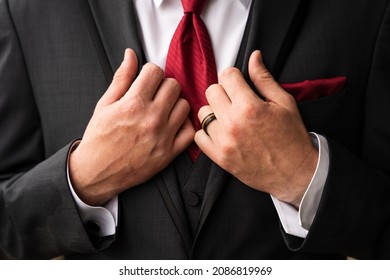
191 198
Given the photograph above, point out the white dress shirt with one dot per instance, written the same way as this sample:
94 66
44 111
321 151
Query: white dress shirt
225 21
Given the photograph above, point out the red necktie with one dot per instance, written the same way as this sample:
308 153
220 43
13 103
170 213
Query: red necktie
191 61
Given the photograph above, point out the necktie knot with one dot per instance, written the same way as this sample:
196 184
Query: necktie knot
193 6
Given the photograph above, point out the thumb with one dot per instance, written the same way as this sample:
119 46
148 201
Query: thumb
123 78
265 83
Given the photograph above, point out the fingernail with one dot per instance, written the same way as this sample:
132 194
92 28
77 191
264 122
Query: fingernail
126 55
259 56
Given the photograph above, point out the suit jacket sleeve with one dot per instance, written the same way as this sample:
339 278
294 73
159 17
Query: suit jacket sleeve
353 218
38 218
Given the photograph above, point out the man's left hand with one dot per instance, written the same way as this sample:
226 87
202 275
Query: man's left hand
263 143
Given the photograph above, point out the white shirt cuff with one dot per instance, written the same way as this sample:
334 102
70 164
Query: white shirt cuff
105 217
296 222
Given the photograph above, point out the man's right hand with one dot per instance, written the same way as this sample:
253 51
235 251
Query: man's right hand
139 126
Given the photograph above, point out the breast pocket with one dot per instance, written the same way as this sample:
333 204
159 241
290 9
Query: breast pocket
323 115
320 102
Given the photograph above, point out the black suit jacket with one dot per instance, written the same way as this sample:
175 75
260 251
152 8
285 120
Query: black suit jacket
56 60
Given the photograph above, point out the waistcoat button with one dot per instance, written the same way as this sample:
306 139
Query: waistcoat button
191 198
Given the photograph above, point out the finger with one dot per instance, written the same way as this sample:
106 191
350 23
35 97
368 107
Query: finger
206 144
209 123
167 95
178 115
265 83
203 112
147 82
122 80
235 85
183 138
218 99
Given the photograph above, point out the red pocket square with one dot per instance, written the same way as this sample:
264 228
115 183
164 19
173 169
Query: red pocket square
314 89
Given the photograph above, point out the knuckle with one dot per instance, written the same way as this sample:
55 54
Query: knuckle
154 70
203 111
250 110
228 72
290 99
121 74
173 84
211 89
133 106
184 104
154 123
234 130
263 76
171 88
266 75
227 150
263 73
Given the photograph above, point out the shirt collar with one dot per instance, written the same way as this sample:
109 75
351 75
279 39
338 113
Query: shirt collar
157 3
245 3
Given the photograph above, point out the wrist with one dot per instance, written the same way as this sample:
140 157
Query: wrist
82 180
303 176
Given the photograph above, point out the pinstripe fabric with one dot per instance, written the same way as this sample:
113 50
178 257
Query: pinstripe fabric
191 61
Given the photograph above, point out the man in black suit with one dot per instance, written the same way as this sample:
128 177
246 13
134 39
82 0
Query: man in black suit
58 57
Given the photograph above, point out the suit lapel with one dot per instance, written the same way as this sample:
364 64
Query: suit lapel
217 181
272 30
170 192
115 23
